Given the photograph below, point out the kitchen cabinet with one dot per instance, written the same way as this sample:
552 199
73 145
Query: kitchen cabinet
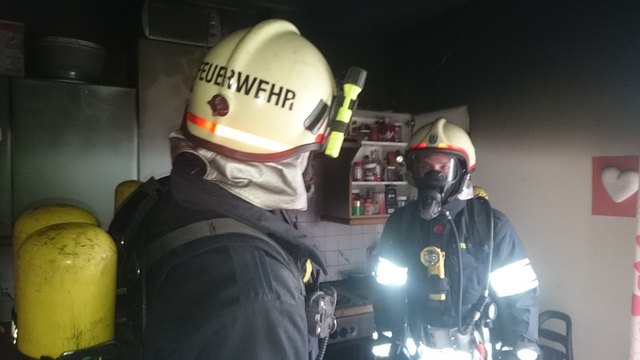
336 175
71 143
6 222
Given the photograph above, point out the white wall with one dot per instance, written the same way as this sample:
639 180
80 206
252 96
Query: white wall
536 163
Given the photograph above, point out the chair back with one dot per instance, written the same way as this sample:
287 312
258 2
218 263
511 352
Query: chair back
555 335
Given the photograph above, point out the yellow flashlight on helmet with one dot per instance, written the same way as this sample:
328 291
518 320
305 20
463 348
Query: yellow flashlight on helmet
353 84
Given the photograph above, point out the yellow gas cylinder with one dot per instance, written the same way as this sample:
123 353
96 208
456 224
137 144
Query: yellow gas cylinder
38 218
123 190
66 289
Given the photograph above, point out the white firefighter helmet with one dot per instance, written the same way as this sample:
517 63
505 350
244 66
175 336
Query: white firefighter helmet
445 136
440 159
262 94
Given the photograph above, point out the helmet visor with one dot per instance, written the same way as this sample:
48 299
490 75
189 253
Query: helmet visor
430 161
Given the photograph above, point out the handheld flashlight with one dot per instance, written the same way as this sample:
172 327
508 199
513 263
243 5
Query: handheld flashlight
433 258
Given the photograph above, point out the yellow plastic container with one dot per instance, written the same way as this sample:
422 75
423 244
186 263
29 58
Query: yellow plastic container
65 289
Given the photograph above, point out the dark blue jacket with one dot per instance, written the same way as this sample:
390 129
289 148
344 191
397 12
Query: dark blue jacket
406 234
222 296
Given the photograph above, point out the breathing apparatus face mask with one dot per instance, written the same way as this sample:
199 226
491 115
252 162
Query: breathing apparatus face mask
438 176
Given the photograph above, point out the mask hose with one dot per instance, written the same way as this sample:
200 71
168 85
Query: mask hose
480 304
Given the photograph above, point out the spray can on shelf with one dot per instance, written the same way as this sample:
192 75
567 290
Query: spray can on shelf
390 198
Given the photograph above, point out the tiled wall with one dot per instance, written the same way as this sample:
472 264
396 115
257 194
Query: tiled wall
343 247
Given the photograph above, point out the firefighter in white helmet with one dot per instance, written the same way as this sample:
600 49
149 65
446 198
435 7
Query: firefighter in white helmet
222 271
448 261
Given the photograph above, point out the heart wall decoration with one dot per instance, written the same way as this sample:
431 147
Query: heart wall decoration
619 185
615 183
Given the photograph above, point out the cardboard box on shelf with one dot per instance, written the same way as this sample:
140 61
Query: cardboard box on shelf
11 49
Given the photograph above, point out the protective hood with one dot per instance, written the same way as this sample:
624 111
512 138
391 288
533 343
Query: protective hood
267 185
467 190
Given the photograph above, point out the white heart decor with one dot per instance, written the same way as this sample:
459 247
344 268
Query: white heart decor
620 185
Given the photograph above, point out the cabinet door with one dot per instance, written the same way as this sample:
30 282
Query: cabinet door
5 161
71 143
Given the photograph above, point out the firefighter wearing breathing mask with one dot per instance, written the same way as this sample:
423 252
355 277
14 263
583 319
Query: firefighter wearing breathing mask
453 276
217 268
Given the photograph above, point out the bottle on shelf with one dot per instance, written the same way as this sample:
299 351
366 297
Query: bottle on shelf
390 174
389 133
377 169
402 201
398 132
383 130
358 171
368 206
379 206
356 203
374 132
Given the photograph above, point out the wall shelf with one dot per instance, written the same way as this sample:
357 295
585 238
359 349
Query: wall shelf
384 144
375 183
357 220
335 178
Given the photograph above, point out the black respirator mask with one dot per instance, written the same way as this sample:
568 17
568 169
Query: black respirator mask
438 176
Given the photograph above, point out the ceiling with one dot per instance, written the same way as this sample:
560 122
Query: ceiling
360 16
119 18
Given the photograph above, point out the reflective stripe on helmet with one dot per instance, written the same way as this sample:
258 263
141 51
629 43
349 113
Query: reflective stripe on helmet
388 273
237 135
514 278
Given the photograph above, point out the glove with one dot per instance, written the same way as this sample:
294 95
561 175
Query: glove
523 352
526 350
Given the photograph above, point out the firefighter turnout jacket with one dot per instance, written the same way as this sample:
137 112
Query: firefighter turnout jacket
480 251
223 294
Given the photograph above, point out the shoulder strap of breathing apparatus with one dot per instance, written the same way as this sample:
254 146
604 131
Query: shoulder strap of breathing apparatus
320 305
480 214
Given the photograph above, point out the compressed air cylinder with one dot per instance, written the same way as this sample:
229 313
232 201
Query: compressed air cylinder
38 218
65 289
123 190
